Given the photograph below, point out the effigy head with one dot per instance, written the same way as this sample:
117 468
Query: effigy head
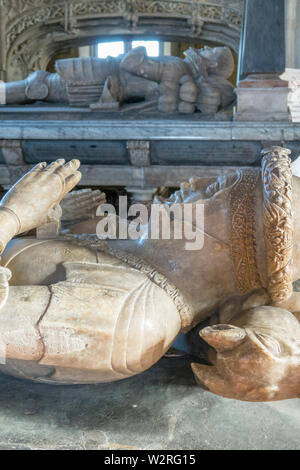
211 61
257 359
220 60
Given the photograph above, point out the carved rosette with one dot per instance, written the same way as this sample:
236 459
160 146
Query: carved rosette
242 214
278 221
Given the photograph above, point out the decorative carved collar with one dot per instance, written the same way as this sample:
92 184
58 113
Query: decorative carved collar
278 221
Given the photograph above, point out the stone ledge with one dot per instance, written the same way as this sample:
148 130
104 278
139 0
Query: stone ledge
113 175
147 130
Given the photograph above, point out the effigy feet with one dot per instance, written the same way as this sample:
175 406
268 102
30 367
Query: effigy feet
257 359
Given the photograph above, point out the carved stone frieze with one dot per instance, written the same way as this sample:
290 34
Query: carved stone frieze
38 17
105 7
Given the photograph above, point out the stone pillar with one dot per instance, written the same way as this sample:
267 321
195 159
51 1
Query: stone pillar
143 196
292 28
3 13
261 94
293 77
292 71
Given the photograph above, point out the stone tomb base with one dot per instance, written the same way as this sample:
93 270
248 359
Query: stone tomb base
134 150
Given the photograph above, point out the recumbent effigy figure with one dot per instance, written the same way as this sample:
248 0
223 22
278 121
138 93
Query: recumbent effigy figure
198 82
75 309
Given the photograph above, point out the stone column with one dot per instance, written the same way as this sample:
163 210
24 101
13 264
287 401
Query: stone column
143 196
261 94
292 28
292 71
3 13
293 77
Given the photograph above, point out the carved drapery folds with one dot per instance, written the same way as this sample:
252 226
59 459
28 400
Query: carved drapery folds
36 29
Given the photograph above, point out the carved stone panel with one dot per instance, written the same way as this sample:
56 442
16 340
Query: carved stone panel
139 152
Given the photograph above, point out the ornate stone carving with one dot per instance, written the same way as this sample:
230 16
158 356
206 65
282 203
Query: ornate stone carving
233 17
105 7
139 152
197 24
58 16
108 7
242 214
278 221
161 6
40 17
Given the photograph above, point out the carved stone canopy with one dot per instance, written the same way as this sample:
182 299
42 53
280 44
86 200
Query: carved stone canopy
36 30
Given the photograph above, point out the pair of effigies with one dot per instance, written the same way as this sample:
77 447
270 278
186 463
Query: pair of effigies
75 309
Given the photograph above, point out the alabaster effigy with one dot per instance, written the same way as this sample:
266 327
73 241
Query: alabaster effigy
169 84
76 309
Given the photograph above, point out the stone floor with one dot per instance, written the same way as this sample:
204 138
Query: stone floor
159 409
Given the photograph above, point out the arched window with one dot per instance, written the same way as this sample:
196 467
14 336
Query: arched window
152 47
114 48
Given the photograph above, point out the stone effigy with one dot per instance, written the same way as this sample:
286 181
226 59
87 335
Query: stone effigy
198 82
75 309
